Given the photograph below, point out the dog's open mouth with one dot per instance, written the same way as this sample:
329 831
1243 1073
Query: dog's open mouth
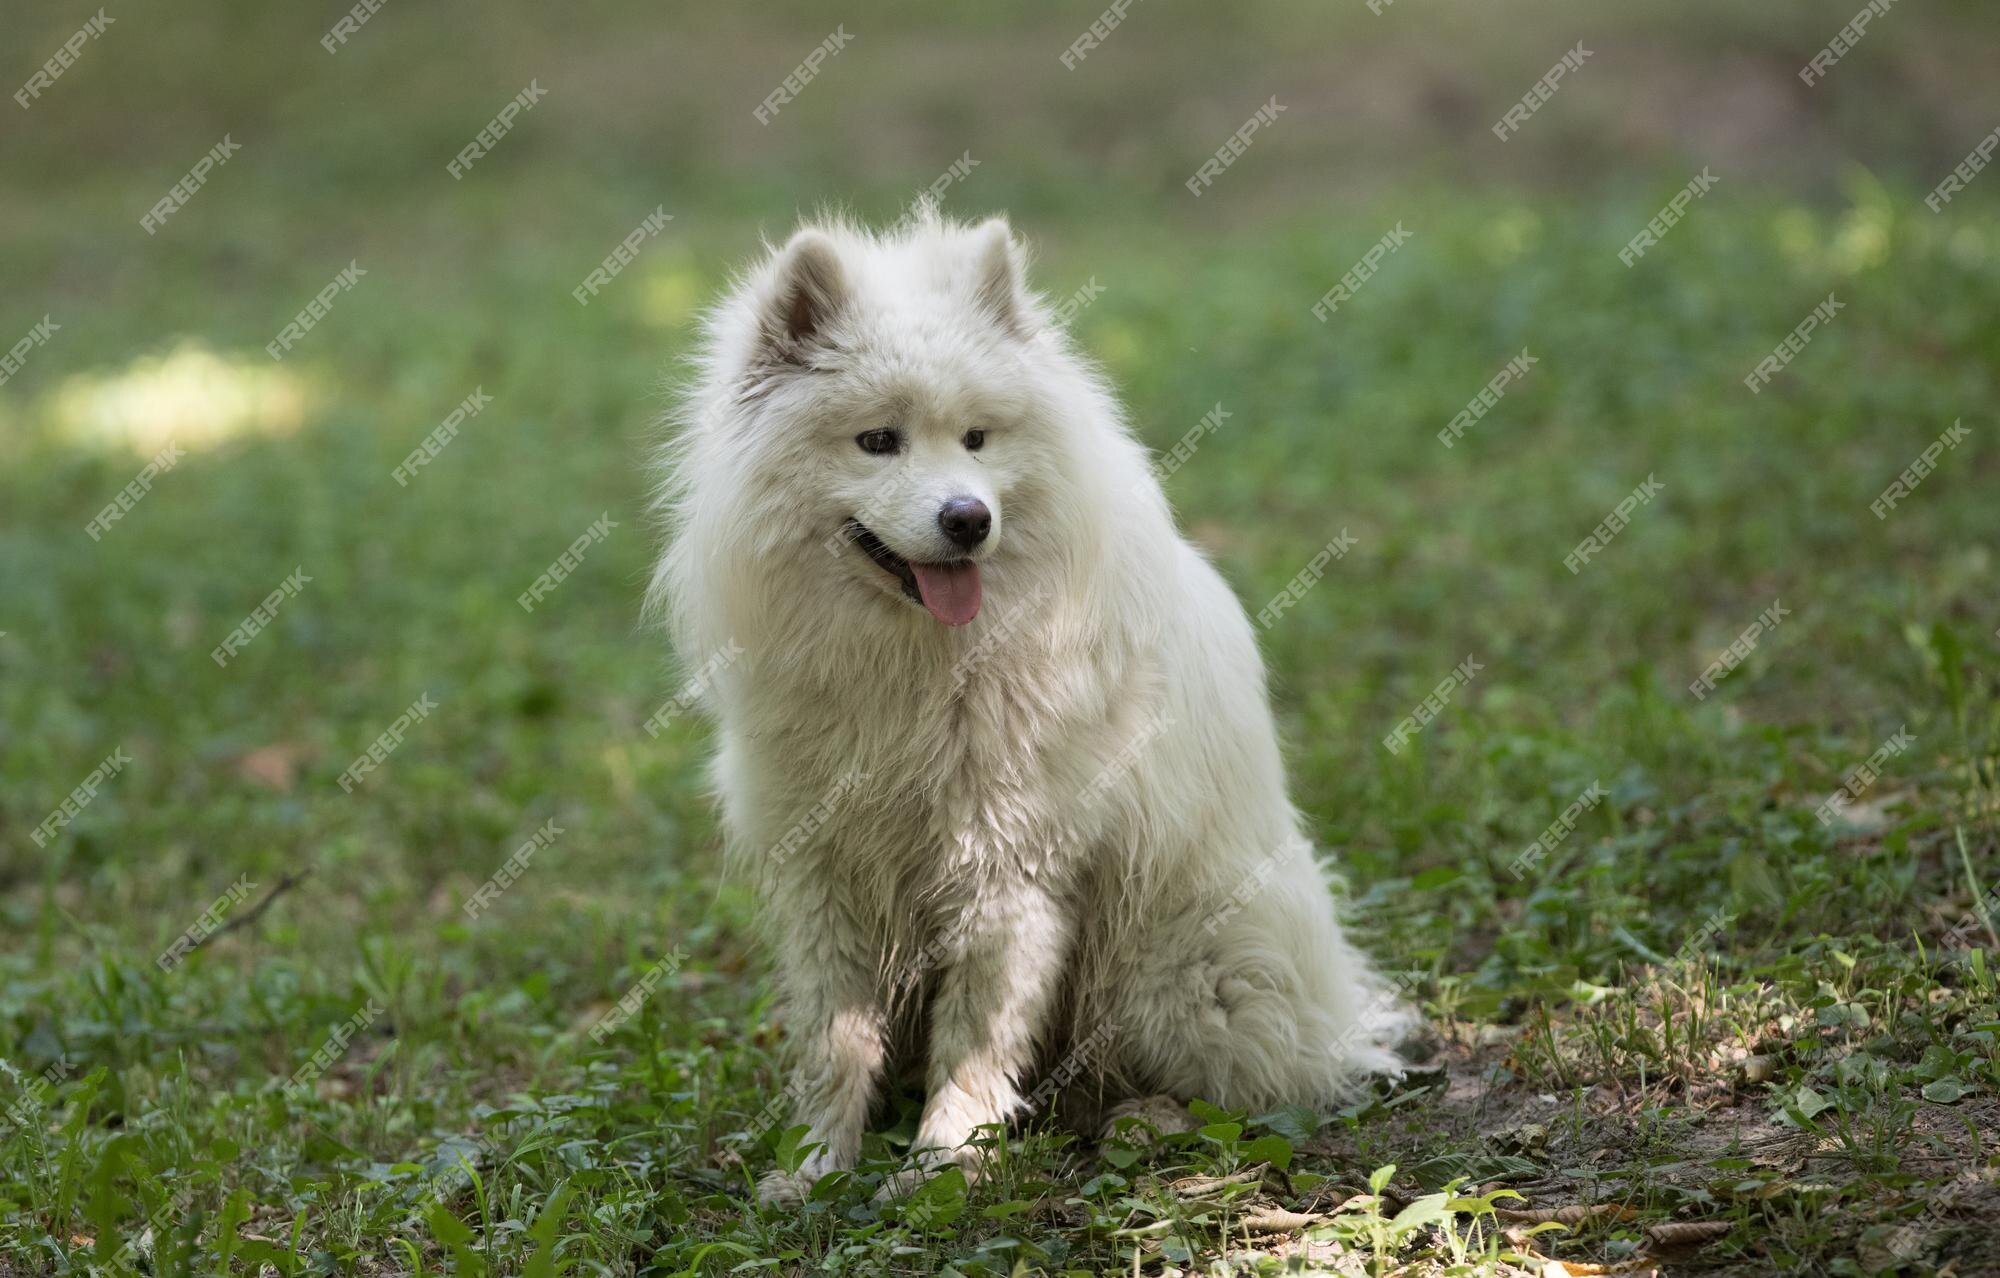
950 592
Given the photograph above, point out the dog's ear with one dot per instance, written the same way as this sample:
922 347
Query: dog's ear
999 283
810 291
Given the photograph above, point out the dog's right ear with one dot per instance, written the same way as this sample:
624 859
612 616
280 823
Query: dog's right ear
808 293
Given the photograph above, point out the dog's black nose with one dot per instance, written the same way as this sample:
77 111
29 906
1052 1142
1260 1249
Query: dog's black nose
965 520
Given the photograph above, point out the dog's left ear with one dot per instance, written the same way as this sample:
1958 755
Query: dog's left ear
1000 284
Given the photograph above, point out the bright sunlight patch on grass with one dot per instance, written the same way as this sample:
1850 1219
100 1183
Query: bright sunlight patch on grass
192 396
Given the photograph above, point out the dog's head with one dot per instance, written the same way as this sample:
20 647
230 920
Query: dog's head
885 404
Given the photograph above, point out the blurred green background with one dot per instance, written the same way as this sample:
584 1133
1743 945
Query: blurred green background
104 644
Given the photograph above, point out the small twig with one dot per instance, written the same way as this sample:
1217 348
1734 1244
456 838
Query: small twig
286 882
1153 1230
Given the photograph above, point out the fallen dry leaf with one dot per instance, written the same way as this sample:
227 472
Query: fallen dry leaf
1687 1233
1202 1186
275 766
1276 1220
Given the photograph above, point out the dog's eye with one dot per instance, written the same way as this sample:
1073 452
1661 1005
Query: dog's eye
973 440
879 441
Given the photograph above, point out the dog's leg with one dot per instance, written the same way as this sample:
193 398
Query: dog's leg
1158 1115
831 994
991 1006
1266 1003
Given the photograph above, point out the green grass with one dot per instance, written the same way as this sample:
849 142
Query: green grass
1702 1005
1581 1049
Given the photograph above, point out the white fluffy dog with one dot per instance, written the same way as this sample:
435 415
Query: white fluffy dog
994 740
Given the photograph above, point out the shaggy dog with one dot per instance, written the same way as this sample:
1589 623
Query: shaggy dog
993 738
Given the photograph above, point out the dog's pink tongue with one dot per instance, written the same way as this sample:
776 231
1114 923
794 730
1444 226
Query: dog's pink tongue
950 591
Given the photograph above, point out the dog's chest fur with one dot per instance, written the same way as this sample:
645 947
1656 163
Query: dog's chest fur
956 784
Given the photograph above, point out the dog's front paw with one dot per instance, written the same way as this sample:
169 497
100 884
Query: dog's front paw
782 1189
1158 1116
900 1185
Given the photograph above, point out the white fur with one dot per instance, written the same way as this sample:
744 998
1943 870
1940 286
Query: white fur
1062 825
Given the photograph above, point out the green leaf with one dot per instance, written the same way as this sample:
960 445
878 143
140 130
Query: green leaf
828 1187
255 1253
938 1202
1482 1205
1275 1150
449 1229
235 1210
1433 1173
1946 1091
1296 1123
456 1236
1951 666
1427 1210
543 1232
106 1206
1436 876
791 1149
1208 1113
1807 1102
